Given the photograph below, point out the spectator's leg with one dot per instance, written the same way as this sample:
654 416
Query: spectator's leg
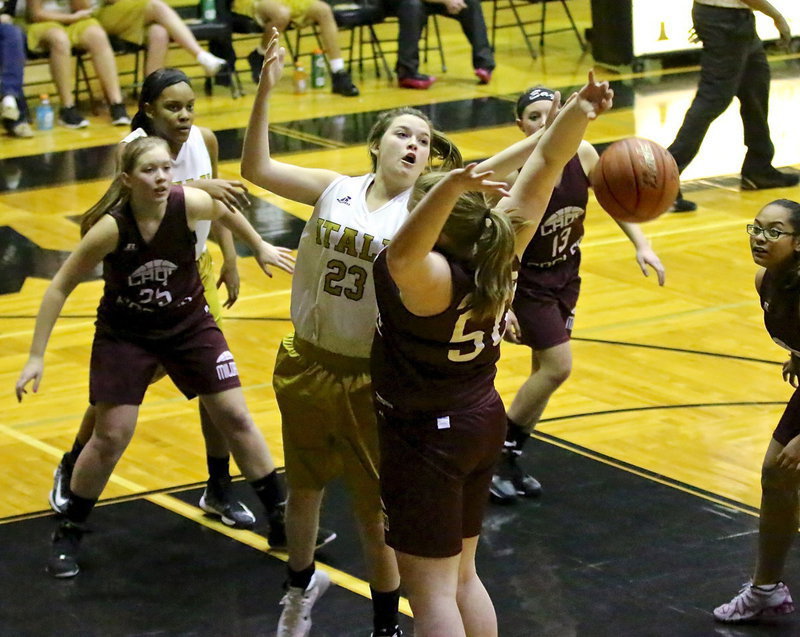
157 47
94 40
12 59
56 42
158 12
753 97
271 14
474 27
322 14
412 16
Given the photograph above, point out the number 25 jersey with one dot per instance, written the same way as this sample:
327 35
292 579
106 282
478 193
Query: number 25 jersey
333 297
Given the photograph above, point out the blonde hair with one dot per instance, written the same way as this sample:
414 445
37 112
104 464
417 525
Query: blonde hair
117 194
443 151
483 238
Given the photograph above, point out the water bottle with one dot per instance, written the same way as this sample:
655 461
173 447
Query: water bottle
317 69
44 113
209 10
300 80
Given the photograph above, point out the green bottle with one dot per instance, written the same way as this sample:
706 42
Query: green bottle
209 10
318 70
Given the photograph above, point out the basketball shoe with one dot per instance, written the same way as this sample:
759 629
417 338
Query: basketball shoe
509 478
297 603
753 602
64 548
59 494
218 500
277 531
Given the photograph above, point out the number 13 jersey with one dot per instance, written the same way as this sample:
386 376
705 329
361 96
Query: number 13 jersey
333 296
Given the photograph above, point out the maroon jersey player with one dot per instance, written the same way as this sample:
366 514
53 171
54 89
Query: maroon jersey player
153 313
443 287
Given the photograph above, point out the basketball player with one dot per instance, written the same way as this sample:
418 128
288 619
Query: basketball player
775 245
321 377
153 313
547 293
443 287
166 109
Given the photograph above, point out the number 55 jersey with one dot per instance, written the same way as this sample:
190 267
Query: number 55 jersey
333 298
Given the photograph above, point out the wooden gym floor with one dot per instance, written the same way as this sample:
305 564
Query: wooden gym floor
649 454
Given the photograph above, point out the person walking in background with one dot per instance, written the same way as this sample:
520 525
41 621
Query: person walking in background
732 64
412 16
13 107
443 287
547 293
55 28
153 313
321 379
166 110
278 14
775 246
153 22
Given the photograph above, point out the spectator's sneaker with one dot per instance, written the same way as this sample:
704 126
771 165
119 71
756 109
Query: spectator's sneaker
211 63
66 541
256 61
343 84
23 129
683 205
9 109
773 178
416 81
484 75
277 532
59 494
119 115
388 632
509 470
71 118
218 500
754 602
297 603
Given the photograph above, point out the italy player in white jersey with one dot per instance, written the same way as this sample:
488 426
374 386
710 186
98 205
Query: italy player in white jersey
327 357
166 110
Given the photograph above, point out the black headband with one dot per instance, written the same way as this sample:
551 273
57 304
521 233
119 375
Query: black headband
536 94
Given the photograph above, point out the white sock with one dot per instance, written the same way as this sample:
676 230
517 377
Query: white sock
337 64
210 63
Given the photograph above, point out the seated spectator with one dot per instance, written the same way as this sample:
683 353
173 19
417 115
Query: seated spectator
278 14
152 21
55 28
13 108
413 15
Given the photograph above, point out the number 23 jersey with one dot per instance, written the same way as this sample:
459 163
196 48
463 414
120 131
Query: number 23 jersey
333 298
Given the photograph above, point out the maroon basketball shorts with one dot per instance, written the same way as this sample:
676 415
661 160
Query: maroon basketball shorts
545 304
435 475
789 424
197 360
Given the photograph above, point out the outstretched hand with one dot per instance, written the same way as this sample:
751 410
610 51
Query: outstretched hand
280 257
32 371
273 62
595 98
467 179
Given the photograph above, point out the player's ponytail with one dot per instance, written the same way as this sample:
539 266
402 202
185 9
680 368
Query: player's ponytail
117 194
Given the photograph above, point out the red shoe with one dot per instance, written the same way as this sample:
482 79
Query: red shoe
484 75
417 81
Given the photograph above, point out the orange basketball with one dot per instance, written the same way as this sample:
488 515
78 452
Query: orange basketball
635 180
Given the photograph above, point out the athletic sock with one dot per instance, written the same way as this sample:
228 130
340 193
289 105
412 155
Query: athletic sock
337 64
77 447
516 436
300 579
78 508
218 468
384 609
269 490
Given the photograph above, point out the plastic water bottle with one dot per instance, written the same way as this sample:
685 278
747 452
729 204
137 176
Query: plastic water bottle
300 80
317 69
44 113
209 10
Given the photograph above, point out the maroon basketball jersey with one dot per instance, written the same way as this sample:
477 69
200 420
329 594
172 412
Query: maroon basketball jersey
559 234
152 289
782 318
441 364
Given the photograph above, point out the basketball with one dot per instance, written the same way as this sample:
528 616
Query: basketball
635 180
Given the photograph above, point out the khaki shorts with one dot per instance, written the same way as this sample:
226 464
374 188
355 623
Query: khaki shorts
124 19
298 8
329 424
36 30
205 267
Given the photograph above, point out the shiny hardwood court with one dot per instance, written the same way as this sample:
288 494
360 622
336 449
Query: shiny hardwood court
649 455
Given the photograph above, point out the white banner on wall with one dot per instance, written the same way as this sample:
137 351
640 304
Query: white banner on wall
662 26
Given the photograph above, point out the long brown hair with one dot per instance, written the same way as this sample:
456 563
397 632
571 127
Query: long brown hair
482 238
117 194
443 151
